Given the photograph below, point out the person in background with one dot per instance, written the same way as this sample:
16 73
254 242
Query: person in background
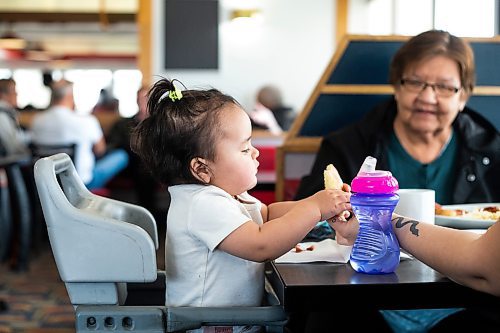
468 258
29 108
60 124
270 113
145 186
13 139
107 111
198 143
425 134
106 103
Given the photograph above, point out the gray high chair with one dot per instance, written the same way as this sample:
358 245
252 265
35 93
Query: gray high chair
102 246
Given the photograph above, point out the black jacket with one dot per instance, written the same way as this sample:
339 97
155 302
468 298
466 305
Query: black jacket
478 178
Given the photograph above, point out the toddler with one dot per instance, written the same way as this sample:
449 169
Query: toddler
198 143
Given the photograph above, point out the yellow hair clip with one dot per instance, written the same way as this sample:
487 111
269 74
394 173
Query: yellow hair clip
172 94
175 95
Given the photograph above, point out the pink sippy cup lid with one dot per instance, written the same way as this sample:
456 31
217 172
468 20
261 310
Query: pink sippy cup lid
373 181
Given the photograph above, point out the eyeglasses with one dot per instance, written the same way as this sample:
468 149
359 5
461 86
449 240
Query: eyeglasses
440 89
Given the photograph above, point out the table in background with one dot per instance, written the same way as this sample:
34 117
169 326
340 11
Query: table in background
267 144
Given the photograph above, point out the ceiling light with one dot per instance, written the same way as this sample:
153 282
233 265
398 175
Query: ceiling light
244 13
36 52
11 41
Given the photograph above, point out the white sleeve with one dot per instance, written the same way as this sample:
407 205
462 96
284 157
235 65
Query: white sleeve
95 130
213 217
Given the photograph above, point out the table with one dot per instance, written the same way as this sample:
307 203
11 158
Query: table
322 286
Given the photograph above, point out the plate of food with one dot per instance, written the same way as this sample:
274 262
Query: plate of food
468 216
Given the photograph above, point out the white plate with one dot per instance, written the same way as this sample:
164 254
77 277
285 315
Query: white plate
460 222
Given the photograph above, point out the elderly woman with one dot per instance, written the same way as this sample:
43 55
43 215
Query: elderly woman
425 135
428 138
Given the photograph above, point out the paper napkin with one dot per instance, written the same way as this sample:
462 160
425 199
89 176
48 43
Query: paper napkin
327 250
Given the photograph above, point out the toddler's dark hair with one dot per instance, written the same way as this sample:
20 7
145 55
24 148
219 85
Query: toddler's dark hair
178 130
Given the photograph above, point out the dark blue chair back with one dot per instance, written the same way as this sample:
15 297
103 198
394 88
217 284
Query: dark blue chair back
357 79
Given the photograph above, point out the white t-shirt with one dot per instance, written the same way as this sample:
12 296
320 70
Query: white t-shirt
60 125
198 273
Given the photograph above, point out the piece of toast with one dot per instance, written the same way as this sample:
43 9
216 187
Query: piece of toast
332 178
334 182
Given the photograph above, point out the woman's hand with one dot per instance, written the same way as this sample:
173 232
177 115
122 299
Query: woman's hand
346 231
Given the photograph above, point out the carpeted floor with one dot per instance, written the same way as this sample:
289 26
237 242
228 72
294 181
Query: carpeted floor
37 300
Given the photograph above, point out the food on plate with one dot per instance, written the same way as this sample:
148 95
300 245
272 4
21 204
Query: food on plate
302 247
482 213
334 182
485 213
449 212
491 209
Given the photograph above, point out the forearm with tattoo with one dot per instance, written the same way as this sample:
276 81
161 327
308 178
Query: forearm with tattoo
400 222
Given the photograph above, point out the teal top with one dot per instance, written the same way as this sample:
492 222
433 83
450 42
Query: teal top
437 175
415 321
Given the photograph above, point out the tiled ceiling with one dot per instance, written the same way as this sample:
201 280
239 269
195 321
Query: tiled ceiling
73 28
66 6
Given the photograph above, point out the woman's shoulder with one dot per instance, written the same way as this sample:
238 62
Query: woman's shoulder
469 115
475 128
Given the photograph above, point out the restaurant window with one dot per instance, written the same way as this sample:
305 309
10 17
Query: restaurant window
5 73
29 86
87 86
30 89
126 82
463 18
123 84
88 83
469 18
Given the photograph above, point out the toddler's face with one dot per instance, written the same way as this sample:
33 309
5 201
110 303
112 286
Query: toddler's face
235 167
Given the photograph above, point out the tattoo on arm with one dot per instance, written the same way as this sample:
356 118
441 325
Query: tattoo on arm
401 222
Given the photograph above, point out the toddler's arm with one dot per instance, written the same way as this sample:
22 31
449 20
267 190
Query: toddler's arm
278 209
274 238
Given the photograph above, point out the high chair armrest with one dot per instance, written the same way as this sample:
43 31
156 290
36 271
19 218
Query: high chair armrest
123 211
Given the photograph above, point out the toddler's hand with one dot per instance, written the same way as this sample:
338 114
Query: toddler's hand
331 202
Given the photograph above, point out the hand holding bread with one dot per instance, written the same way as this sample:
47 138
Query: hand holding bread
334 182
